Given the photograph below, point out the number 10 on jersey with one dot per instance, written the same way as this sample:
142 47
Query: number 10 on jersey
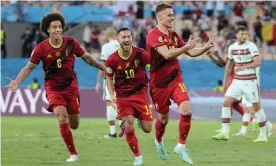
130 73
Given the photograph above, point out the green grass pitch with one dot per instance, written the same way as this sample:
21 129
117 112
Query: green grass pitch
35 141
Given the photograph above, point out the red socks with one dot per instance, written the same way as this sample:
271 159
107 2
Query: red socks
159 130
67 136
132 142
184 128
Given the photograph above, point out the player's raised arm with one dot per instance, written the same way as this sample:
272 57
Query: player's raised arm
216 58
200 51
25 72
89 59
175 52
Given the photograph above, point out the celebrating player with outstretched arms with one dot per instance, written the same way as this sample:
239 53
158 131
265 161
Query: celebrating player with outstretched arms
58 57
164 46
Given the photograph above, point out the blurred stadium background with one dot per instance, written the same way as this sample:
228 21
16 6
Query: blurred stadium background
87 21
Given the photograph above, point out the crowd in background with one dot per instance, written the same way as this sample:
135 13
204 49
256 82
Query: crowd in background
193 20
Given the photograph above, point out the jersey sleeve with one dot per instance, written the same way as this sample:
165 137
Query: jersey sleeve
254 51
109 67
154 40
104 53
35 56
78 51
230 56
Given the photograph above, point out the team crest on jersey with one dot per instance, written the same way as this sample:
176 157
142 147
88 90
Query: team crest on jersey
160 39
136 63
108 70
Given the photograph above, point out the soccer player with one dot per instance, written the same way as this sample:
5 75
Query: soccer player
107 50
57 54
244 56
219 61
128 68
238 105
164 46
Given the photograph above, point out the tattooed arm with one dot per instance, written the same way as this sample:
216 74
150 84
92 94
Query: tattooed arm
89 59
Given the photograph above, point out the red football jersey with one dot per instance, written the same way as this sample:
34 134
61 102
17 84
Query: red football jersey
58 63
163 71
130 74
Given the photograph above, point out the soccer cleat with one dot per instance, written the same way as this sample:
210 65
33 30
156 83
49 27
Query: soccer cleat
221 136
240 134
122 130
73 158
182 152
219 130
138 160
271 130
261 138
161 150
111 136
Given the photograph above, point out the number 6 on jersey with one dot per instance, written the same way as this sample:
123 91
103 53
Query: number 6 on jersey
59 64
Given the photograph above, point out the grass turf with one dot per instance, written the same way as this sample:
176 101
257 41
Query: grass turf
35 141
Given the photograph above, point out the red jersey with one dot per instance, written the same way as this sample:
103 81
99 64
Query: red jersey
58 63
130 74
163 71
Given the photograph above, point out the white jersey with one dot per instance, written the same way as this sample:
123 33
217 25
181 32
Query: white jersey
242 54
109 48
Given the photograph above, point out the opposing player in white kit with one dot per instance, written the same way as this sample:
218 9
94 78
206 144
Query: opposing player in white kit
108 49
244 56
248 106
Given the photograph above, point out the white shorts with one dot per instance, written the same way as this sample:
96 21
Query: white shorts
106 94
247 88
245 102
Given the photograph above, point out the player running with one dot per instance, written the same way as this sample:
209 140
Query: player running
58 57
164 46
244 56
111 114
128 68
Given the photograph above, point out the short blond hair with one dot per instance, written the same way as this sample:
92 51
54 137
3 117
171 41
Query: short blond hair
162 6
111 32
